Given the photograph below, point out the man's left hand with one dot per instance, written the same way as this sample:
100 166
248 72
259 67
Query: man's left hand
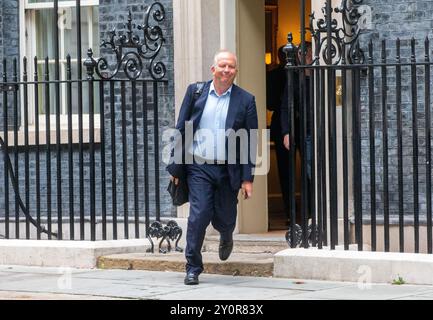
247 189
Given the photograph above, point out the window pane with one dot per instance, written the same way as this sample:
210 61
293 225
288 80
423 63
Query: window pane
45 47
44 33
43 87
89 31
45 41
95 31
63 92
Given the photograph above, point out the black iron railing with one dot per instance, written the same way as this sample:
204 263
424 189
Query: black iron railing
369 107
90 171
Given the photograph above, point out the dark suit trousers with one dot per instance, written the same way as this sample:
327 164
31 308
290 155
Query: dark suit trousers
212 200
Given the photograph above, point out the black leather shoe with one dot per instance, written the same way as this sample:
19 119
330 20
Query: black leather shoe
191 279
225 249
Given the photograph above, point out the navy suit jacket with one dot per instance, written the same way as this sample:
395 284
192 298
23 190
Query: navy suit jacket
242 114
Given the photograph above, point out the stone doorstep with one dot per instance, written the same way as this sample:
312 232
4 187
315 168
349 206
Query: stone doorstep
247 247
354 266
253 255
270 243
239 264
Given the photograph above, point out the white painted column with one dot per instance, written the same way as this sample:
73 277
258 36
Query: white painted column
187 46
228 9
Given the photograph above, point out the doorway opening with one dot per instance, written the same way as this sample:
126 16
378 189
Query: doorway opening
282 17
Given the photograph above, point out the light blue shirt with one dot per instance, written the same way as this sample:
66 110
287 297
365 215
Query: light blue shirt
210 138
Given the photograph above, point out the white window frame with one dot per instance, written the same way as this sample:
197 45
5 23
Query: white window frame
62 4
27 49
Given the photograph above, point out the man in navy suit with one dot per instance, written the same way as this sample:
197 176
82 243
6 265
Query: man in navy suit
223 113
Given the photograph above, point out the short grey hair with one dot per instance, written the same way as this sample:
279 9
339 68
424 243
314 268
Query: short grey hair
219 52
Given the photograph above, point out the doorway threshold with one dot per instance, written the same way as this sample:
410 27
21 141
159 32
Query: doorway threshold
270 242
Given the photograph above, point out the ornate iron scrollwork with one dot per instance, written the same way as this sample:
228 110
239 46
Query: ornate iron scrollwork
298 236
147 48
344 42
168 233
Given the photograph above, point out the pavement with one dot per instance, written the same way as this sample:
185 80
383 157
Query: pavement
35 283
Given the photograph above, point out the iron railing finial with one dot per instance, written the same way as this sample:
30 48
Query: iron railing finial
290 51
90 64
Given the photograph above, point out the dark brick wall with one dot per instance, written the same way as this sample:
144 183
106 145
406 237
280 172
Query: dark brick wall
391 20
113 14
10 28
9 36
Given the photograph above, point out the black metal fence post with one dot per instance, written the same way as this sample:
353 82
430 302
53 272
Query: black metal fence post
400 145
415 136
156 146
6 150
70 148
372 120
290 50
48 143
38 149
385 155
345 121
26 146
15 147
124 161
357 152
58 113
90 65
427 103
321 196
103 159
113 160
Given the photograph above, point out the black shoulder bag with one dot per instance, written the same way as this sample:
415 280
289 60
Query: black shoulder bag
179 193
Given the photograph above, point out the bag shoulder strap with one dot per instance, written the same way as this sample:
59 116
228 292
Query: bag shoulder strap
199 86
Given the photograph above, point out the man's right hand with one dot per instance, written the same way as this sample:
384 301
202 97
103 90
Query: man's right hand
175 180
287 141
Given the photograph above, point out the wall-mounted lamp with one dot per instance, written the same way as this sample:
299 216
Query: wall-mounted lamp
268 58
